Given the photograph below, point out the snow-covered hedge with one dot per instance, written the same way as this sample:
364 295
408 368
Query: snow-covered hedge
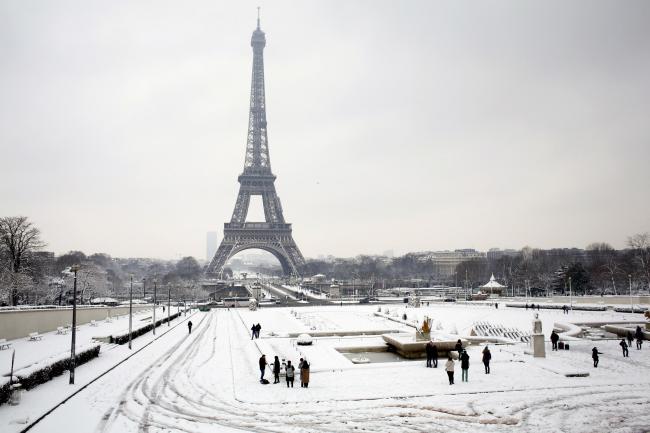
46 370
124 338
559 307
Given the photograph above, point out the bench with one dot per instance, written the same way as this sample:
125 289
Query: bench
3 344
35 336
61 330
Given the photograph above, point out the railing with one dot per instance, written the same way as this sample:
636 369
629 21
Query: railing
258 226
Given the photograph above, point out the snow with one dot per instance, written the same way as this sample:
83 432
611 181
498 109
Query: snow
53 344
208 381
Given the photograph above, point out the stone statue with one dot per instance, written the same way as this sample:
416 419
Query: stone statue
537 325
537 339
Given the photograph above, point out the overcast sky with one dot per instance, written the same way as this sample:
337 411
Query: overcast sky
409 126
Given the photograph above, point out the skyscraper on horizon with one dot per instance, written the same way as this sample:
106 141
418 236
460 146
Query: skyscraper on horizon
211 245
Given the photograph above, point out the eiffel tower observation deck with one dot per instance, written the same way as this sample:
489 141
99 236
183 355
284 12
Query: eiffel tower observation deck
274 234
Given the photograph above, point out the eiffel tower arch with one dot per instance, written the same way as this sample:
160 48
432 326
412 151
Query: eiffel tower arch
274 234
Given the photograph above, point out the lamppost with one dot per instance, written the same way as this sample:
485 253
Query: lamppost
169 303
144 288
130 310
75 269
629 276
526 288
155 286
570 295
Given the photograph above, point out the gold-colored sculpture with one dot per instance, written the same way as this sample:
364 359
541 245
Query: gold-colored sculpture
426 325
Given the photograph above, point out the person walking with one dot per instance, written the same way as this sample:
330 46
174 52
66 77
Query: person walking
486 359
594 356
623 345
464 366
429 351
304 374
262 367
639 337
554 339
189 326
276 370
434 355
449 368
290 372
459 346
258 328
253 329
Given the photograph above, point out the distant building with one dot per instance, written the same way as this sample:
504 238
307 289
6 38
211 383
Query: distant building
211 245
496 253
445 262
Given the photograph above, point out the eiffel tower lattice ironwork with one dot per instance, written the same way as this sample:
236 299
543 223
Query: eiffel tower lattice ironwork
273 235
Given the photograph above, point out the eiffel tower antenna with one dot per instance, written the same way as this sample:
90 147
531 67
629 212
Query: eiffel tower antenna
274 234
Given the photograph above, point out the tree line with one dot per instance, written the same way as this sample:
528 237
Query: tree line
29 275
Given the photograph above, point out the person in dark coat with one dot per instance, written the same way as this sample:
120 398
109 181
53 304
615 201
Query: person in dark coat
262 366
189 326
487 356
554 339
276 370
594 356
623 345
526 306
290 372
258 328
434 355
253 330
464 366
459 347
429 350
639 337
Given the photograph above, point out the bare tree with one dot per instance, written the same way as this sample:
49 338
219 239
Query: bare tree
19 239
640 243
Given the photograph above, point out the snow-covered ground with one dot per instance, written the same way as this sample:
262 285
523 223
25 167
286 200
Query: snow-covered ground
53 344
208 381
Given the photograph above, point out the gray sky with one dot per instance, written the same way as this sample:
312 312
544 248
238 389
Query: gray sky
392 125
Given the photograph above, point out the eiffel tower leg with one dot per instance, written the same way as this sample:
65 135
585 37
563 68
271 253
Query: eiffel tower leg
220 258
241 207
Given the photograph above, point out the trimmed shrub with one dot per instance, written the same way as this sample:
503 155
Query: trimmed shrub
48 372
5 393
124 338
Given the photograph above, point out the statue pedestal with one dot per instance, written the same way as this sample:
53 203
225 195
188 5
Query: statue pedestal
537 343
422 336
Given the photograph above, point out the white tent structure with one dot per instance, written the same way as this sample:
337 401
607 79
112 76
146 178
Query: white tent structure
492 286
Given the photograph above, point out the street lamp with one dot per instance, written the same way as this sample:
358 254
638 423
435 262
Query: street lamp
144 288
169 303
73 361
155 286
629 276
130 310
570 295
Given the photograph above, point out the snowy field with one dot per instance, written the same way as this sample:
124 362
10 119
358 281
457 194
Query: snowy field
208 381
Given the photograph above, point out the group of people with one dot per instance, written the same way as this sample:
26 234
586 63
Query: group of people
638 334
432 360
256 331
289 370
532 306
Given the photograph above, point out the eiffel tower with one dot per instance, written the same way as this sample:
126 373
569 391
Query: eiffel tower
273 235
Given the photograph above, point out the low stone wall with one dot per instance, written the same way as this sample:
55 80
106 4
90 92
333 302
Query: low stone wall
19 323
